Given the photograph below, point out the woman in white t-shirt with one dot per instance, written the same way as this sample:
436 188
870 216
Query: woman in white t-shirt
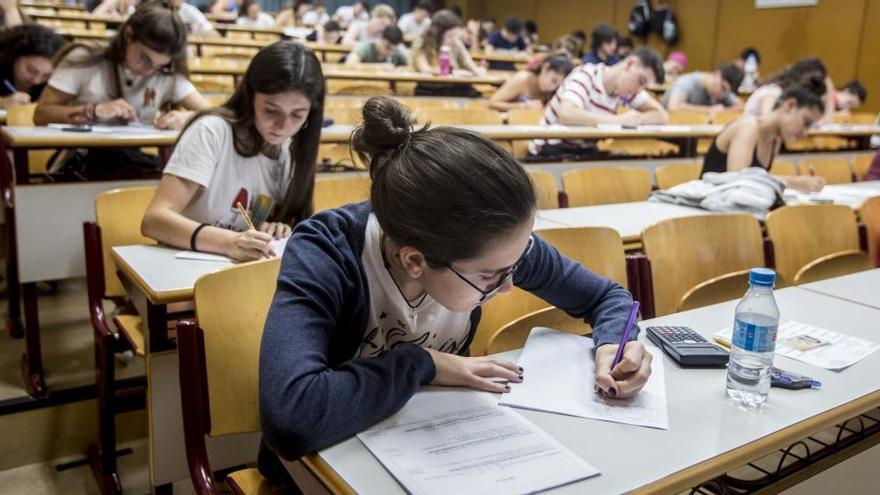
251 16
258 149
141 76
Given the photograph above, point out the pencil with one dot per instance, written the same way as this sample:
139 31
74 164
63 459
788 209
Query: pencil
244 215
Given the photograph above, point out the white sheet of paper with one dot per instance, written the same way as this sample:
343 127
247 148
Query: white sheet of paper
841 352
460 441
278 246
560 374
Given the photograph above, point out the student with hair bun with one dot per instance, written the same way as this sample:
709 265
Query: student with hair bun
378 298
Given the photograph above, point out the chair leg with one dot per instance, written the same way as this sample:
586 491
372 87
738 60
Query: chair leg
102 456
32 360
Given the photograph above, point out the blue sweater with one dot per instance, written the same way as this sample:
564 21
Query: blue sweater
314 392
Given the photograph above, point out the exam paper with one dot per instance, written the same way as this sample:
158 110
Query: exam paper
460 441
560 377
278 246
837 351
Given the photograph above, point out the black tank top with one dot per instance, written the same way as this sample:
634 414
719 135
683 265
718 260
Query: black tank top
716 160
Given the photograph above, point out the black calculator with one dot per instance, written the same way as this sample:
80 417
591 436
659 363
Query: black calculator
687 347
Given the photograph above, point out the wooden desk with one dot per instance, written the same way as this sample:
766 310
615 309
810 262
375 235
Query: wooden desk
860 288
224 28
628 219
852 195
54 5
88 18
2 116
153 278
707 436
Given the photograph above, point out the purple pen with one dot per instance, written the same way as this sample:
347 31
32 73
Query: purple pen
626 331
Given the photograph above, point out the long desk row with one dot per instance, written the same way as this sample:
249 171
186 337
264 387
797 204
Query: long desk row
728 435
32 209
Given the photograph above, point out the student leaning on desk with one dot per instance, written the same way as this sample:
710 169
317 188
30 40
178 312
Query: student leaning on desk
258 149
376 299
142 70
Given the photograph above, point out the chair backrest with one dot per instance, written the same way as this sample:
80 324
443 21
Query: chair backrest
783 167
676 173
835 170
870 213
802 234
715 290
525 116
834 265
545 189
344 115
598 186
339 153
332 192
685 252
688 117
514 334
458 116
863 118
599 249
231 308
23 116
118 213
861 164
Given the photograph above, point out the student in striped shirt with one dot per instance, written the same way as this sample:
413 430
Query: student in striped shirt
593 93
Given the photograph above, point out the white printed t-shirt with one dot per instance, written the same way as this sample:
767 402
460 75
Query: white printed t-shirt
94 84
390 323
196 22
205 154
584 88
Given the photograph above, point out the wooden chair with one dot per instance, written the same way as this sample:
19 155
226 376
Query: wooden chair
23 115
220 364
545 189
870 213
676 173
688 117
802 234
525 116
686 252
861 164
118 215
450 116
333 192
344 115
783 167
357 87
514 334
834 265
598 186
715 290
600 249
637 147
863 118
834 170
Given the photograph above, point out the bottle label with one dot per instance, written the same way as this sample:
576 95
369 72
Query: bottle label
754 338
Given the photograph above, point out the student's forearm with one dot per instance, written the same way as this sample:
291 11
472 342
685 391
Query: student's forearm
174 229
654 117
573 116
64 114
505 105
12 17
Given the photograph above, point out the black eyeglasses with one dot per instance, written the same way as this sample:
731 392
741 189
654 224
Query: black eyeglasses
504 278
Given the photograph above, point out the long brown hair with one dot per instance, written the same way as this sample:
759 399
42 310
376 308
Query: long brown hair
155 23
441 21
278 68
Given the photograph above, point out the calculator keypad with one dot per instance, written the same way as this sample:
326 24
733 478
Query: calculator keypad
679 335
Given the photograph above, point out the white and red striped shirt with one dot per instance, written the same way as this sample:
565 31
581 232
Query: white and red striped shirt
584 88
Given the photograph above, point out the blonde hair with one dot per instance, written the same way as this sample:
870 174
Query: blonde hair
383 10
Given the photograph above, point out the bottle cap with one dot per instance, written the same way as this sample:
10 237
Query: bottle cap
763 277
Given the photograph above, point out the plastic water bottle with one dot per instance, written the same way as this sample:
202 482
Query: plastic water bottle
754 340
444 61
750 69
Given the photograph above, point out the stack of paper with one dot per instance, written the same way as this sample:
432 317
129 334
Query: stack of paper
561 373
816 346
460 441
278 246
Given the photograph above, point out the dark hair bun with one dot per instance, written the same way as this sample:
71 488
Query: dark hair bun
387 125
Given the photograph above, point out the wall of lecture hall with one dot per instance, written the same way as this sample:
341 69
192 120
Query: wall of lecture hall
714 31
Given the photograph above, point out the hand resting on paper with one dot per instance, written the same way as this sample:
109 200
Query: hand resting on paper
474 372
630 374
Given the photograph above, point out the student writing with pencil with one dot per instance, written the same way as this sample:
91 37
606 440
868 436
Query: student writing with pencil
255 152
378 298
